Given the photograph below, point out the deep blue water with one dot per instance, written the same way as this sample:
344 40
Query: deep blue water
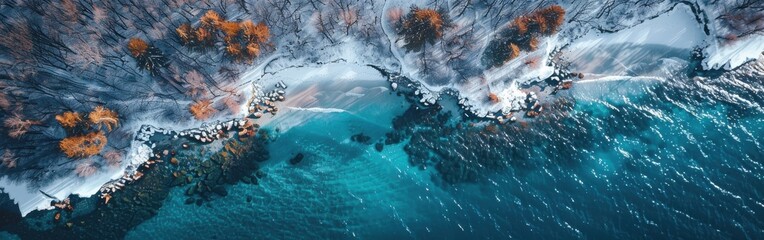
662 160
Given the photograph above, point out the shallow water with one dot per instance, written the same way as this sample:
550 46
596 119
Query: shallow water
670 159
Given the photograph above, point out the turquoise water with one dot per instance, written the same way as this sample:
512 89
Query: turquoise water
669 160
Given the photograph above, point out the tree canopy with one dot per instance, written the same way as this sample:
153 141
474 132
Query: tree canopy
523 33
422 26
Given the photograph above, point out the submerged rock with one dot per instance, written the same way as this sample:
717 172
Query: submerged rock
379 147
246 179
220 190
296 159
360 138
260 174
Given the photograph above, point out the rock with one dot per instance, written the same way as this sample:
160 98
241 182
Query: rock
249 198
207 164
246 179
379 147
220 190
199 202
260 174
191 191
189 201
215 174
70 224
174 161
360 138
57 217
296 159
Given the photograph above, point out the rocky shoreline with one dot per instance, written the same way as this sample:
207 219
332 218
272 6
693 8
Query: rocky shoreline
166 158
163 159
462 155
525 102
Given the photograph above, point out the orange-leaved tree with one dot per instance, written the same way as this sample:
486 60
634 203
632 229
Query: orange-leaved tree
146 56
255 33
211 19
103 117
514 51
86 138
230 30
422 26
137 47
233 50
243 40
186 34
202 109
523 33
554 16
69 119
82 146
253 49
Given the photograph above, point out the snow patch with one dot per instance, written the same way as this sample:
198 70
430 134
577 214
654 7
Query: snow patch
732 55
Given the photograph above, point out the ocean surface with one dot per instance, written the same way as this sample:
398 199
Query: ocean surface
659 159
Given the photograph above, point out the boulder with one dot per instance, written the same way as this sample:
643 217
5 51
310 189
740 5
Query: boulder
189 201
